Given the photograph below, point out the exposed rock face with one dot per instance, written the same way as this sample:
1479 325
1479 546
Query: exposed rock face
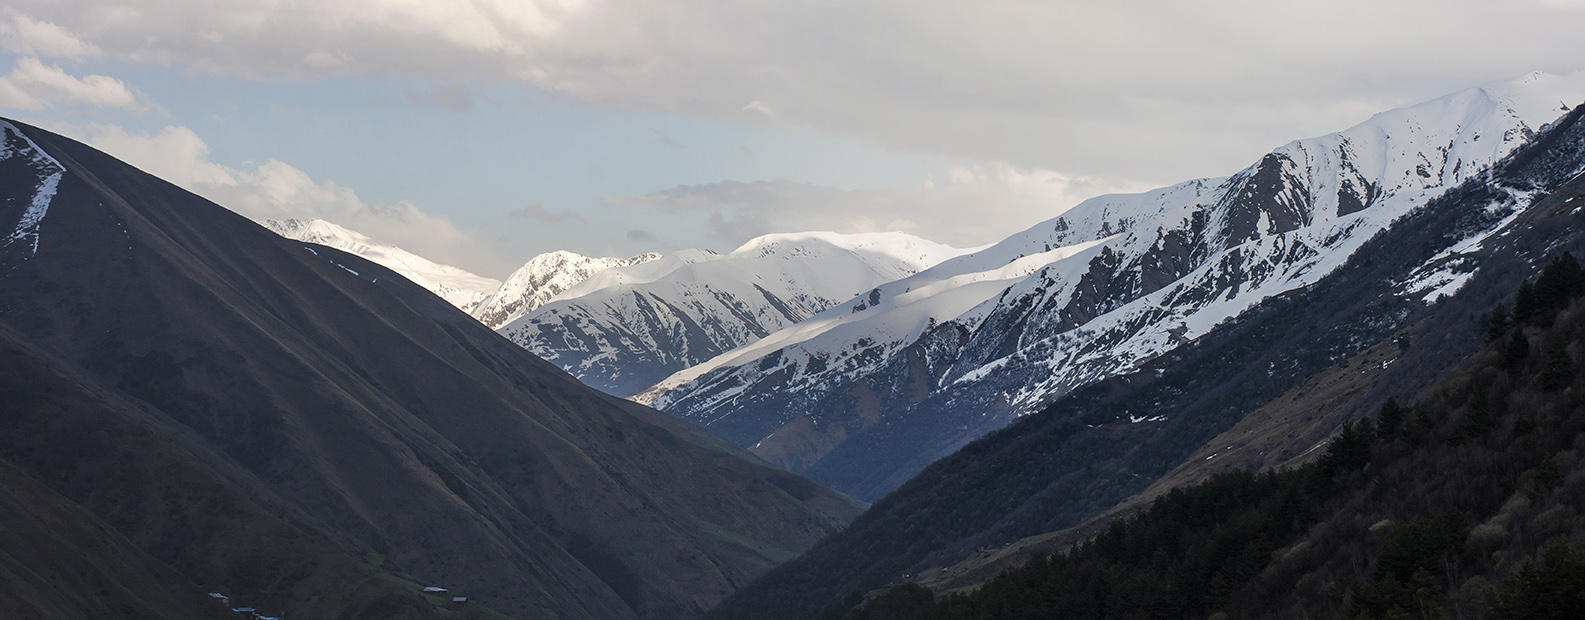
625 328
1401 310
542 279
862 396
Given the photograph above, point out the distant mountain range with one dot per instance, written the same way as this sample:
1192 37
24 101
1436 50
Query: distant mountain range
859 359
493 302
864 395
627 327
1265 390
317 423
540 280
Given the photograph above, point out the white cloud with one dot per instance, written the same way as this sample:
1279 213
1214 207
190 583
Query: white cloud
1158 89
15 98
758 107
175 154
25 35
32 85
981 205
275 189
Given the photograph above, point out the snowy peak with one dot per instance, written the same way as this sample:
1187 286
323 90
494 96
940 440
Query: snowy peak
1117 280
541 279
491 301
457 286
882 249
627 327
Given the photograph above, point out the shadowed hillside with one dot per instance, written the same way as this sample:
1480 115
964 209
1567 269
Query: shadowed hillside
310 433
1099 445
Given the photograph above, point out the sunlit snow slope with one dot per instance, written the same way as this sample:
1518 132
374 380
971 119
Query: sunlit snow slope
981 339
627 327
461 288
540 280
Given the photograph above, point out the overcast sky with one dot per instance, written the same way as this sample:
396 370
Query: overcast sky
481 132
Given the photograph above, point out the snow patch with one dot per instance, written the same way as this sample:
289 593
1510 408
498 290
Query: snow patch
27 228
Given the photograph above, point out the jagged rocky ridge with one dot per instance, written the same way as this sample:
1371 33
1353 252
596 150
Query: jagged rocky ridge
541 279
627 327
982 339
1101 443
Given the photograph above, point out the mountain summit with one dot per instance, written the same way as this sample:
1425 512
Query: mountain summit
863 395
625 328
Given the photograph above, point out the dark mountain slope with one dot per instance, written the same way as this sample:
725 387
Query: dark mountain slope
180 502
58 561
1097 446
360 411
1434 510
867 395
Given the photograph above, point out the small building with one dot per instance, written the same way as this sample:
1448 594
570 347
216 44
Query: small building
224 600
460 600
434 590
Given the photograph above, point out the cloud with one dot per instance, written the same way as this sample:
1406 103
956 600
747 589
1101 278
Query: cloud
1152 89
275 189
980 205
536 213
758 107
641 236
32 85
15 98
25 35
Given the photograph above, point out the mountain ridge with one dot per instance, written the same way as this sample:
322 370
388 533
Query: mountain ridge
625 327
298 427
1166 267
1092 448
453 284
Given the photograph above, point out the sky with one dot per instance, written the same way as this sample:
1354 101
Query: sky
479 133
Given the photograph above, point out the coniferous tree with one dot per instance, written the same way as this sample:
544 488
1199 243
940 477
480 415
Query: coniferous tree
1391 418
1350 449
1560 281
1557 368
1497 324
1518 349
1553 590
1524 303
1478 420
1418 429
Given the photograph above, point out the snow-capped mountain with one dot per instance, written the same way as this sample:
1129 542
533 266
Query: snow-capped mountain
541 279
981 339
625 328
455 285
